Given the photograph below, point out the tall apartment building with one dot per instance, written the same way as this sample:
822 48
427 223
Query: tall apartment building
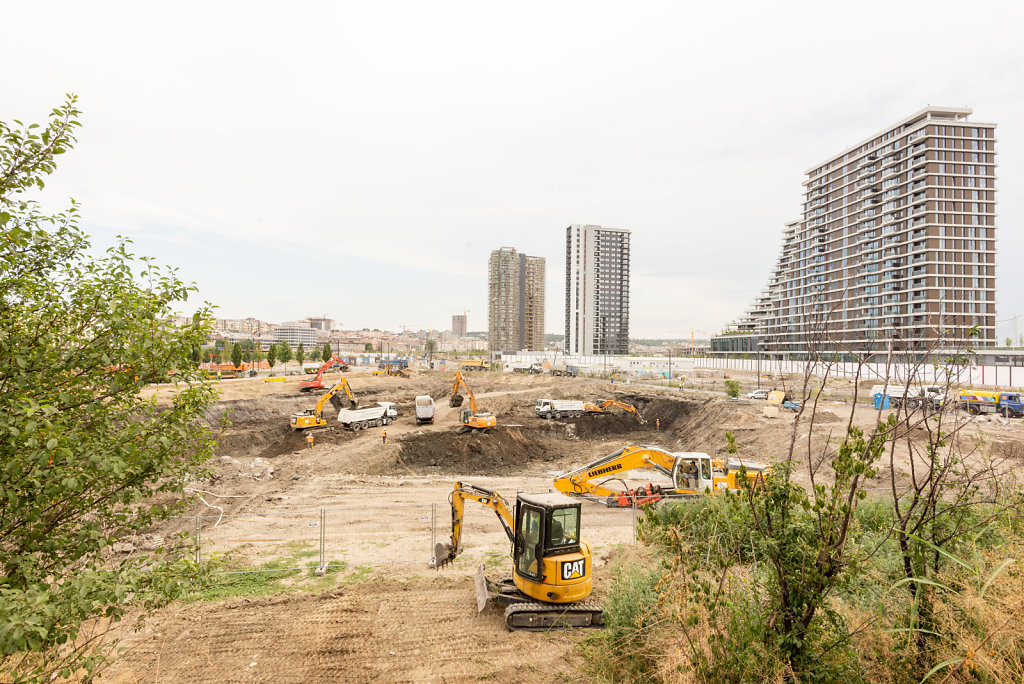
459 326
515 305
895 249
532 272
596 290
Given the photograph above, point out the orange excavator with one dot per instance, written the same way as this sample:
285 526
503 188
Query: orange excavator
317 383
605 405
692 474
470 417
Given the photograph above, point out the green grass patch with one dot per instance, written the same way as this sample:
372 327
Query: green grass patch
229 578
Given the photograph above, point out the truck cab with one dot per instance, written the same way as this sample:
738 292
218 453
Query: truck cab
1010 405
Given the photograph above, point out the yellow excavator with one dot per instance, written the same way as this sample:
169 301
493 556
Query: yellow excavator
692 474
471 417
605 405
313 418
391 369
551 564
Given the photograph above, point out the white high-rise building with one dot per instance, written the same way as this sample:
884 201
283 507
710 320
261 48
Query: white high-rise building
596 290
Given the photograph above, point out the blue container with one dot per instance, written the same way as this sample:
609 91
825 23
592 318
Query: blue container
881 401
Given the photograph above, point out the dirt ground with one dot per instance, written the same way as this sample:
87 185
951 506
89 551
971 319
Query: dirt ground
387 616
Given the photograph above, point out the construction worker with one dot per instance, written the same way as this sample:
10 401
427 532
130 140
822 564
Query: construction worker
657 424
309 440
384 437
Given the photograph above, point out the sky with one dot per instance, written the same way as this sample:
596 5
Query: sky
361 160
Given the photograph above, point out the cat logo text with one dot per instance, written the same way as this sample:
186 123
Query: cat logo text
573 569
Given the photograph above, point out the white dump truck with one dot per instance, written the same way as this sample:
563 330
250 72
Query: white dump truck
424 409
913 396
559 408
384 413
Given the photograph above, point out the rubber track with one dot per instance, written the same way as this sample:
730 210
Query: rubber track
562 609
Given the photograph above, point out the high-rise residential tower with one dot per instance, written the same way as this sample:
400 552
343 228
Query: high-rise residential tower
531 302
896 248
515 307
458 325
596 290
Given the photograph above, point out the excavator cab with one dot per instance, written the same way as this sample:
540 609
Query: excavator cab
548 561
693 473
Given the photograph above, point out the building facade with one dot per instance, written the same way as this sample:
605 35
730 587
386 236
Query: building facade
459 326
515 304
293 332
596 290
532 273
895 251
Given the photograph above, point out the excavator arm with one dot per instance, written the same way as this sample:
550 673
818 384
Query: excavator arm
456 398
317 381
463 491
604 405
588 481
330 394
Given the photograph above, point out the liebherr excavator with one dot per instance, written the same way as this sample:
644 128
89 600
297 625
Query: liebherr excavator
551 565
605 405
314 418
471 418
692 474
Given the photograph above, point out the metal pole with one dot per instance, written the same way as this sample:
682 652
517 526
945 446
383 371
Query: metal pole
634 519
433 533
322 568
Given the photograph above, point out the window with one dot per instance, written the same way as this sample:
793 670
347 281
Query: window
565 527
528 542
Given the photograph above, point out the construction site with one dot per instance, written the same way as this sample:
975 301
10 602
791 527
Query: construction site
327 547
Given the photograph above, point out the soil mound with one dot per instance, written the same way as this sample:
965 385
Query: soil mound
500 451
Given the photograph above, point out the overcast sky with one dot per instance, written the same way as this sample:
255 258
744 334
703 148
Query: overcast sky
361 160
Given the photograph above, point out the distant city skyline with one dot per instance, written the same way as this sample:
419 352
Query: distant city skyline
367 166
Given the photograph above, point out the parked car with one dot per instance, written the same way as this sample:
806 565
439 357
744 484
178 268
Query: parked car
758 394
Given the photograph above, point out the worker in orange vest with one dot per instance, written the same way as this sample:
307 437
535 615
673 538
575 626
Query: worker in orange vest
384 436
309 440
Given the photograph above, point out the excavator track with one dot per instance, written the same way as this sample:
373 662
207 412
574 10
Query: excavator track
535 617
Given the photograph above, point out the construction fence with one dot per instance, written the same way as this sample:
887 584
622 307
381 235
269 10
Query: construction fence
1010 377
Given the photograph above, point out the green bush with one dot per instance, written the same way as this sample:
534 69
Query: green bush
623 651
732 388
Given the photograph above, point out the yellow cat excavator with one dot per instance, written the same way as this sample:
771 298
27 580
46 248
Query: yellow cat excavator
313 418
551 565
605 405
692 474
470 417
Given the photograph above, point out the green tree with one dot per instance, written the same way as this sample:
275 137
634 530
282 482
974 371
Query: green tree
732 388
236 354
368 348
272 355
284 352
83 450
430 346
257 351
300 354
326 353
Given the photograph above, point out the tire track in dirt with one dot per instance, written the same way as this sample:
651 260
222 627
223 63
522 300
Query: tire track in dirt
419 631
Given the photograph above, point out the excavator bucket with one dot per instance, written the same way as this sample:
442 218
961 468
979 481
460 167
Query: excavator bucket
456 400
